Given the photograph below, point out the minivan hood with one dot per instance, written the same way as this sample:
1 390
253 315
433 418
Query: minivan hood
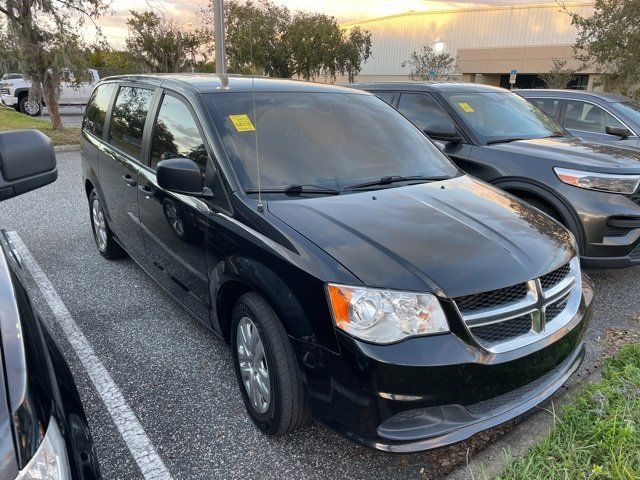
457 236
567 150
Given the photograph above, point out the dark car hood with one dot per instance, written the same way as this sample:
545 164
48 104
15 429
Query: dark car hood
460 236
570 150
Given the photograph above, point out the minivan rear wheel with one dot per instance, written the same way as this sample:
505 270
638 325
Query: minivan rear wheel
266 368
107 246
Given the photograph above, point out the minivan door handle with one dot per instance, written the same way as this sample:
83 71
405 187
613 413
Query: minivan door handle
145 189
128 179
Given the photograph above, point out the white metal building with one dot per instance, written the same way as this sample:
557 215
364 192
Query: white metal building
487 42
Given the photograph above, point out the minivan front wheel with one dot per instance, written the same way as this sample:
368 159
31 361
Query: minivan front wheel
107 246
266 369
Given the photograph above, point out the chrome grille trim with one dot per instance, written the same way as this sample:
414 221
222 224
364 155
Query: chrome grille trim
568 289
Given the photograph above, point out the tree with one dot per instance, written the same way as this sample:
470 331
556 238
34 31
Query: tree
161 43
559 76
264 38
9 52
608 42
112 62
356 50
48 36
427 64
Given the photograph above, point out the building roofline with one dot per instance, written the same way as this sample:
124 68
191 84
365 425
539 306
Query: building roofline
465 10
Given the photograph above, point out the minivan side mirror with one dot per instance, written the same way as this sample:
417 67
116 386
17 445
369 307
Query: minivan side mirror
621 132
181 175
443 131
27 162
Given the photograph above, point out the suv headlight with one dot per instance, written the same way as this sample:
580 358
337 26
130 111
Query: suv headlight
50 461
385 316
605 182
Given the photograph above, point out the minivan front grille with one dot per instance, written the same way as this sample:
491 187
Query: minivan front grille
553 278
501 331
510 317
494 298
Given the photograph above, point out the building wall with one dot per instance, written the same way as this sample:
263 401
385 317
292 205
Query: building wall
524 26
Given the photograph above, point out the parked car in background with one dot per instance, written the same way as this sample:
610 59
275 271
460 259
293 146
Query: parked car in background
14 92
44 432
594 116
499 137
357 273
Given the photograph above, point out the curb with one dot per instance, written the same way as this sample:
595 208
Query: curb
491 461
67 148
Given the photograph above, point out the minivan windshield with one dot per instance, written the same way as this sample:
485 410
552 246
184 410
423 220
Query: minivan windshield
496 117
323 140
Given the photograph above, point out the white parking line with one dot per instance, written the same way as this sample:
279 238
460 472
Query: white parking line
134 436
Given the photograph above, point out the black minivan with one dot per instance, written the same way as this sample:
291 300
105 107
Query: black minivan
359 276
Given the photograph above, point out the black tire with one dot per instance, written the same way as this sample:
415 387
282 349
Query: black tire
544 207
287 409
110 249
23 108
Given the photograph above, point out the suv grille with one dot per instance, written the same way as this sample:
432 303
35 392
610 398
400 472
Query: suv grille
552 279
514 316
495 298
499 332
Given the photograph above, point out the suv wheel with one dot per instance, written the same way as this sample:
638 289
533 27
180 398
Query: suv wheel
107 246
266 368
29 107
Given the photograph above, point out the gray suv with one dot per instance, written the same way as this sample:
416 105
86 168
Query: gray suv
593 116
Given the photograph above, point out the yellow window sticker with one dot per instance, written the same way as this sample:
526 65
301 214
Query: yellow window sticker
242 123
466 107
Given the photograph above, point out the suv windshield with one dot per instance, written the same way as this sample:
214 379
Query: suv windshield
11 76
502 116
322 139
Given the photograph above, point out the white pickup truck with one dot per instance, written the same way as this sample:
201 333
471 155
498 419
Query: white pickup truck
14 92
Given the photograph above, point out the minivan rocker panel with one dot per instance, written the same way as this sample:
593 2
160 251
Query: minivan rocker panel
457 237
497 305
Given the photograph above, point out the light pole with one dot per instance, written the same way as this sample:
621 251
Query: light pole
218 22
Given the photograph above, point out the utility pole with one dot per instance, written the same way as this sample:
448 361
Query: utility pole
218 21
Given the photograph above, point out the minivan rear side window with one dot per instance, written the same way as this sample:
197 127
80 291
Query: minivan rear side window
128 118
176 134
97 109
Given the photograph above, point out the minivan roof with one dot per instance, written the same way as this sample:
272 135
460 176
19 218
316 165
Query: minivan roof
214 83
448 86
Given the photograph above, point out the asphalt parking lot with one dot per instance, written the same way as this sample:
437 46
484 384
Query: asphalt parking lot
71 116
177 378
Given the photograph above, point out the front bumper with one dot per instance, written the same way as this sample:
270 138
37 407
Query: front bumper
428 392
8 100
611 227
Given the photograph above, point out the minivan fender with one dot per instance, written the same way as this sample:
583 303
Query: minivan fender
236 275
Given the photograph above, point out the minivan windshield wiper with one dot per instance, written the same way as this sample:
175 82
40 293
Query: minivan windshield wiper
297 190
394 179
506 140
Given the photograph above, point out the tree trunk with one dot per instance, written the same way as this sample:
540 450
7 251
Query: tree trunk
52 105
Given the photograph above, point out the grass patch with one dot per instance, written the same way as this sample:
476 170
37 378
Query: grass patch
12 120
598 435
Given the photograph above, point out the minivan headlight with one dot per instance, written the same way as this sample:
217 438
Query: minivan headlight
50 461
385 316
606 182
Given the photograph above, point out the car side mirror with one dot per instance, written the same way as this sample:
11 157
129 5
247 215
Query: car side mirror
27 162
443 131
621 132
181 175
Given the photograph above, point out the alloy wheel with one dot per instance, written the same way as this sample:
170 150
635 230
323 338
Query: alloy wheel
253 365
31 107
173 217
99 224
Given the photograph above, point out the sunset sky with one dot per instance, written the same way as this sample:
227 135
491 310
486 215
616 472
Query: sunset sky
114 26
